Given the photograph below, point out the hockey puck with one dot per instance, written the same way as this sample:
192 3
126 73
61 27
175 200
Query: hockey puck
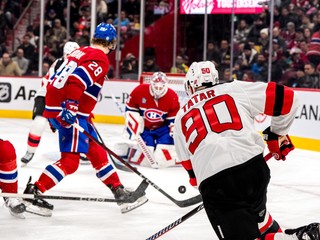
182 189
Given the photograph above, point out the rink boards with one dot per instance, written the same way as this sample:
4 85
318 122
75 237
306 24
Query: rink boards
17 98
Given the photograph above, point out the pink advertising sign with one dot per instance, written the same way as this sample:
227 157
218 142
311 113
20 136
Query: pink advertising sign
220 6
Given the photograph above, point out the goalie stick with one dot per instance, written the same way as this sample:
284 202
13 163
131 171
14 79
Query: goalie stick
180 203
143 147
186 216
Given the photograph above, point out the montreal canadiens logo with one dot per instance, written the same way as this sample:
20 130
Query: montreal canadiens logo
153 115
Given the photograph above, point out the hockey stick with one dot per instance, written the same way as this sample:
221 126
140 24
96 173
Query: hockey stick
32 196
137 193
181 203
176 223
117 165
143 147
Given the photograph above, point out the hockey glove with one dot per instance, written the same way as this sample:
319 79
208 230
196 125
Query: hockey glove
192 177
68 115
279 146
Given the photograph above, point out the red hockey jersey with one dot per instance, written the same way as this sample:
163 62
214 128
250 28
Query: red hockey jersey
79 78
156 113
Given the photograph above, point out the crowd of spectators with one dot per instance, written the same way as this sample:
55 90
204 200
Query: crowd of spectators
295 43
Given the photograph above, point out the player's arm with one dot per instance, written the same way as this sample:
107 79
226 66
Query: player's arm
279 102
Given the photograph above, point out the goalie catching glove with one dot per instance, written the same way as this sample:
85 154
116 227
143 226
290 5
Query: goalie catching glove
68 115
134 124
279 146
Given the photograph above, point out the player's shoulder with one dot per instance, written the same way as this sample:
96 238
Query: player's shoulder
92 53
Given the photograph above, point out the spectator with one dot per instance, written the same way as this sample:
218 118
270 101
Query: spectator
150 65
311 78
129 69
296 62
124 21
248 57
29 52
260 68
277 36
181 67
314 48
45 68
254 33
263 41
60 33
102 10
224 49
21 60
242 31
9 67
212 52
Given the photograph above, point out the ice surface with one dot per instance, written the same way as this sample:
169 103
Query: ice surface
293 197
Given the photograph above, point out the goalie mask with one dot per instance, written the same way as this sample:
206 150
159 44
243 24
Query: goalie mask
159 85
200 74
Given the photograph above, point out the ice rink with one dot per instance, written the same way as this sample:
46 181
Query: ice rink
293 197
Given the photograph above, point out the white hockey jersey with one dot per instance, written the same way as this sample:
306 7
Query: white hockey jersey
215 128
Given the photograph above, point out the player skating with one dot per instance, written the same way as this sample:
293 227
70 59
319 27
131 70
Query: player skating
9 178
39 123
217 142
71 96
150 113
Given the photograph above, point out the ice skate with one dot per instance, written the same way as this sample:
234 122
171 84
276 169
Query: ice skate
308 232
131 200
27 157
37 205
84 160
16 207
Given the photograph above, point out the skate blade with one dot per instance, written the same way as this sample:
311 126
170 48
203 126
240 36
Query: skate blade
127 207
17 215
44 212
39 211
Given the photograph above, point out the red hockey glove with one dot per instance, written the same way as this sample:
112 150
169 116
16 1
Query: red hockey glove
279 146
68 114
192 177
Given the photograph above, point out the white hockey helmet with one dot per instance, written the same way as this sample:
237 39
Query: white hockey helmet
159 84
69 47
200 74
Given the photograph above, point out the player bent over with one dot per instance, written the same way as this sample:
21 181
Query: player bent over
71 97
150 113
223 153
9 178
39 122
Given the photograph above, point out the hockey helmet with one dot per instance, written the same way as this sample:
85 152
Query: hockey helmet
106 32
200 74
159 84
69 47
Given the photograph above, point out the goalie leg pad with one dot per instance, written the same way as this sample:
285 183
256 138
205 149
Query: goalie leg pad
165 155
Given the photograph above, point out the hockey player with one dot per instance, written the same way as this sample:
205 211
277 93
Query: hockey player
39 122
9 178
150 113
217 142
71 96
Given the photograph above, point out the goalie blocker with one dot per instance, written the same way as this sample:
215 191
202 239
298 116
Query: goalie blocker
139 148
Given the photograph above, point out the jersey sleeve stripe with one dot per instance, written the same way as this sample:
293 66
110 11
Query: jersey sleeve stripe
279 98
83 75
270 99
288 100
